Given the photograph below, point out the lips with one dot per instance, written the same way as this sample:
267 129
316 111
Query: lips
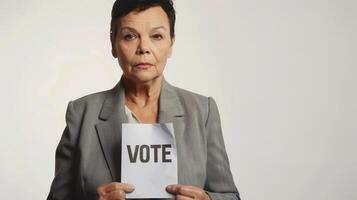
143 65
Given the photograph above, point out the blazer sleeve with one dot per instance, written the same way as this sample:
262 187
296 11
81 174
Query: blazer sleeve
219 181
63 184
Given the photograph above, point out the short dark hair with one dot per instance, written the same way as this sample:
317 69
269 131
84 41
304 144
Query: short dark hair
124 7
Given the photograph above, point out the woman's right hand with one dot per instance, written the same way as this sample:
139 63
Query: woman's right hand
114 191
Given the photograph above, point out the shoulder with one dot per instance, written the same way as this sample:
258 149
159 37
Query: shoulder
190 97
195 102
89 102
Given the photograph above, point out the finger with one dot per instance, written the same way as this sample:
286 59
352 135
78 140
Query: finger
126 187
178 189
115 195
182 197
106 188
174 189
186 190
101 190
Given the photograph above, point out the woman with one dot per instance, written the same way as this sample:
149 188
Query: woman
88 155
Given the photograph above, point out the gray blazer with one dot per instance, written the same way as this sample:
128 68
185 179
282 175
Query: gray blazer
89 152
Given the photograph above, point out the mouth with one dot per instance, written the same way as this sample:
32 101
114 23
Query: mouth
143 65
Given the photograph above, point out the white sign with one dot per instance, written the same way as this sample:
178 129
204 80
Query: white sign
149 159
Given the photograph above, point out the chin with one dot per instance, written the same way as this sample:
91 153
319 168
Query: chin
144 78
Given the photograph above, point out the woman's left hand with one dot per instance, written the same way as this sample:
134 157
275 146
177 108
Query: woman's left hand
186 192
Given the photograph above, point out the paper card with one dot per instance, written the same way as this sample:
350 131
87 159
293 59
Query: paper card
149 159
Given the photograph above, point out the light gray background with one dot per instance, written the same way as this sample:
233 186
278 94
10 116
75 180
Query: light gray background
283 73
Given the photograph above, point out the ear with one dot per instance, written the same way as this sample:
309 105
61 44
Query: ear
171 47
114 52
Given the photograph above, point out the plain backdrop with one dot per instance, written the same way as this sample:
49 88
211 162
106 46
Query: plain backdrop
283 73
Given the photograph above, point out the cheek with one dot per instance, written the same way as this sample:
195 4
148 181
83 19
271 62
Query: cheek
162 53
125 58
125 53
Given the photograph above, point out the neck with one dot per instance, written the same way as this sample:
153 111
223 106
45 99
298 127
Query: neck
144 93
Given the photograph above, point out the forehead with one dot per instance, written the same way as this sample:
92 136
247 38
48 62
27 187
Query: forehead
151 17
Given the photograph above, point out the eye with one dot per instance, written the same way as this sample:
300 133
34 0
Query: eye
157 36
130 36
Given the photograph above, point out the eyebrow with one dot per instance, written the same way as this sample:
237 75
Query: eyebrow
133 29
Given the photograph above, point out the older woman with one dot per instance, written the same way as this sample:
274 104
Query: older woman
89 152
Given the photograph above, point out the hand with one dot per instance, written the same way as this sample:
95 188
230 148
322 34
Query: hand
114 191
187 192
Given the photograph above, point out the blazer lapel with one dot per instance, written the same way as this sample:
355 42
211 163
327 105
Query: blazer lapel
109 129
171 111
170 106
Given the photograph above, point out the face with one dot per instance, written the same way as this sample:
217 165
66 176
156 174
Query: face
143 44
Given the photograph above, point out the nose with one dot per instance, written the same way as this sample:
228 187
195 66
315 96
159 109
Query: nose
143 47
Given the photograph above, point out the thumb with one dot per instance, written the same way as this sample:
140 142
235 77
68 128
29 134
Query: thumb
128 187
